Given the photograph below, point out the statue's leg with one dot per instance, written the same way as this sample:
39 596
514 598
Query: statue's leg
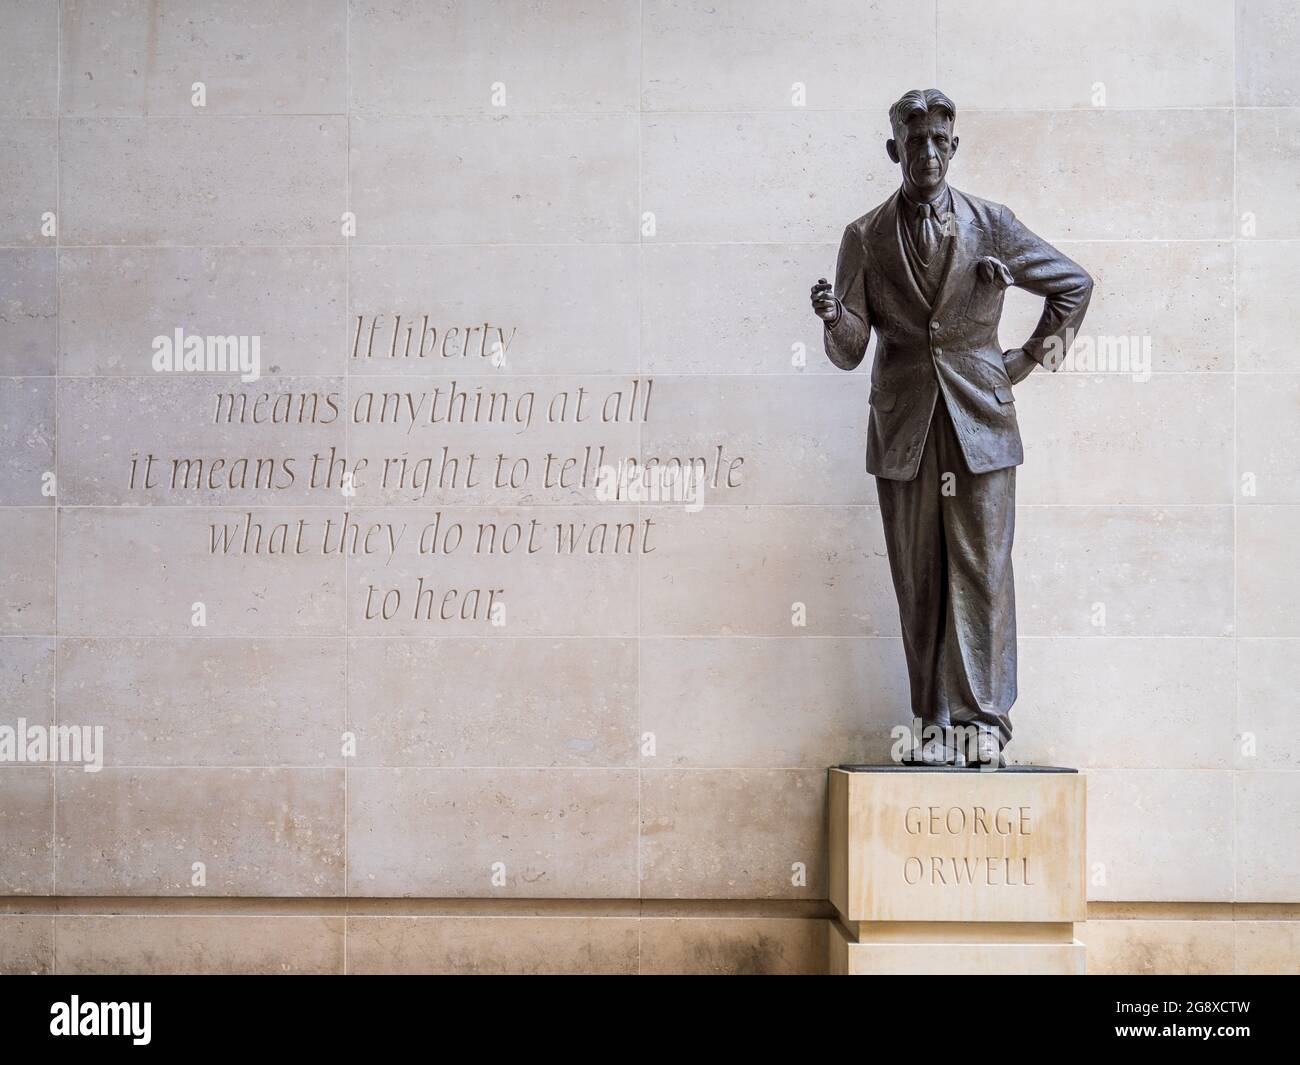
977 673
913 523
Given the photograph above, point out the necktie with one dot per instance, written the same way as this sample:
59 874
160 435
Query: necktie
927 233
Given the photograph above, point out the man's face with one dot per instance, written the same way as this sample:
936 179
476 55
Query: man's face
923 149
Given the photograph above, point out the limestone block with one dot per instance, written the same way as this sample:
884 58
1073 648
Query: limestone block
850 957
1166 947
728 571
1267 821
207 702
1268 148
26 441
27 570
821 46
253 56
1081 193
786 430
1268 581
28 308
26 944
1268 274
167 550
765 325
1115 439
256 832
1160 835
467 702
1268 702
1268 33
26 827
756 702
29 56
28 165
736 946
545 57
213 179
956 871
1155 570
605 946
1160 306
484 833
1268 437
733 833
115 301
578 183
1076 699
181 944
1160 53
958 845
801 176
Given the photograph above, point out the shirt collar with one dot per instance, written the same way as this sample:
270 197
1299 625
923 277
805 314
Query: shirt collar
942 203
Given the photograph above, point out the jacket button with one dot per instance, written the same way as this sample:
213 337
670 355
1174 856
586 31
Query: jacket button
934 326
938 351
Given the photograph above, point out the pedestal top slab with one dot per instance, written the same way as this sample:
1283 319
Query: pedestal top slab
891 767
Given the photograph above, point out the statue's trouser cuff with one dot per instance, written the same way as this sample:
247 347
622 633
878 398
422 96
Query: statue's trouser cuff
948 533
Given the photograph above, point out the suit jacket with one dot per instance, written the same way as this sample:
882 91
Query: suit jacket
949 349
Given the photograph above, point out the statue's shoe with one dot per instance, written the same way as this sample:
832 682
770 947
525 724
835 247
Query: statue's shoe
933 752
986 750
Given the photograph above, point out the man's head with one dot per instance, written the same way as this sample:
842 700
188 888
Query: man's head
923 142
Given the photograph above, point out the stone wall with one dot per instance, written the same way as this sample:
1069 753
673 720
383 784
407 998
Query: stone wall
624 769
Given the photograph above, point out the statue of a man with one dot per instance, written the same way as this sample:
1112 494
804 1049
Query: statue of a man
927 270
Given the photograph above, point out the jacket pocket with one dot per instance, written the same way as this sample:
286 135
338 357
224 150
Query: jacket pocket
1004 394
985 303
882 400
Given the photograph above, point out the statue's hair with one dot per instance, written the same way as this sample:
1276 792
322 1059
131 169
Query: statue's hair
920 102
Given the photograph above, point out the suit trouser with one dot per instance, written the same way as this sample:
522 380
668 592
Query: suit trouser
948 533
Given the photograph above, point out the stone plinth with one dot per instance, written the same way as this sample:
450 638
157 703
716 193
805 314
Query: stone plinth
956 870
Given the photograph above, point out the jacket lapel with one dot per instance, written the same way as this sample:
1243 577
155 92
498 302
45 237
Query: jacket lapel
965 249
888 238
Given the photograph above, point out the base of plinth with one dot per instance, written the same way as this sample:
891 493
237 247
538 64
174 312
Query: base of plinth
966 950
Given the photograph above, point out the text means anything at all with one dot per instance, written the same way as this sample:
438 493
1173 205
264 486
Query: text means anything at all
449 404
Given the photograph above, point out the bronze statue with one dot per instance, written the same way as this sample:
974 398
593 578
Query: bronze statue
927 270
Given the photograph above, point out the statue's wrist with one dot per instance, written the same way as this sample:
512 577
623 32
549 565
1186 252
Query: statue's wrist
1019 364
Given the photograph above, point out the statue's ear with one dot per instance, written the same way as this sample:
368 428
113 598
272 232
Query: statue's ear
956 140
892 149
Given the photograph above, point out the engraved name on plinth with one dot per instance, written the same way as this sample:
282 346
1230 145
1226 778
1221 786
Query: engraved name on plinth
918 846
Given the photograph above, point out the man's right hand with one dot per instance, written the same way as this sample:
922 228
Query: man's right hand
824 303
1019 364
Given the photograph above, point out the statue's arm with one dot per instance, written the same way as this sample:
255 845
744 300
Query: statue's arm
1064 285
846 332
